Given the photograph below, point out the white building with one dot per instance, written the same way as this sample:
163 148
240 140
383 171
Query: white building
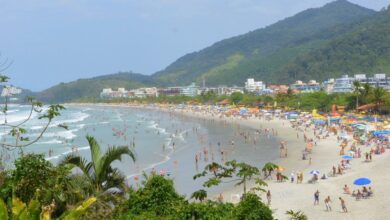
254 86
10 91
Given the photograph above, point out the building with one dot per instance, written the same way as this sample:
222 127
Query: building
108 93
276 89
328 85
311 86
10 91
170 91
191 90
254 86
345 83
379 80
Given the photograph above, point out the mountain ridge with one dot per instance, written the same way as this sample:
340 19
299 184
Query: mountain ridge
273 54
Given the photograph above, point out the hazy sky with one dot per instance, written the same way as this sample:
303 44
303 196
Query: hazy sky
53 41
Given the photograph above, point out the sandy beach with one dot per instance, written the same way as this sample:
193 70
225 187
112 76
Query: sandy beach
325 155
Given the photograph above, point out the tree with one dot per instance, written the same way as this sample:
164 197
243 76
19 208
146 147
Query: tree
378 95
299 215
366 91
99 172
240 173
236 97
251 207
101 179
157 197
29 169
199 195
357 90
21 139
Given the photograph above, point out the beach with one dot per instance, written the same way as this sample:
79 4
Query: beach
325 155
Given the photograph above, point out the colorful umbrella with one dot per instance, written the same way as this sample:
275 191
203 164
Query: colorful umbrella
314 172
362 181
346 157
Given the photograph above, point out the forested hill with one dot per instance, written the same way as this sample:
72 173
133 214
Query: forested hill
91 88
363 49
320 43
264 52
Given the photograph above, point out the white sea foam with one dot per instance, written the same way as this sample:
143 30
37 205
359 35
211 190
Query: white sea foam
53 141
151 166
77 117
66 153
68 134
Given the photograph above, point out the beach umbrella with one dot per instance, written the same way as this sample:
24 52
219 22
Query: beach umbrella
280 169
362 181
346 157
314 172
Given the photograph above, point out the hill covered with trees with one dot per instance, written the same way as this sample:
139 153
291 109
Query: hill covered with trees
338 38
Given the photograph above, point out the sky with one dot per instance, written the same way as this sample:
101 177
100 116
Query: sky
53 41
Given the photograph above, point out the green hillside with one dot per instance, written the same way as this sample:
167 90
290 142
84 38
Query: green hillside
263 52
321 43
364 49
91 88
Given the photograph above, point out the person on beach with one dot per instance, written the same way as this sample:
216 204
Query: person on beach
220 198
269 197
346 189
317 198
327 204
292 177
343 206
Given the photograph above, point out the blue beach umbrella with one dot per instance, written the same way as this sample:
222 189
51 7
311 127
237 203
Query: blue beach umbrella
347 157
314 172
362 181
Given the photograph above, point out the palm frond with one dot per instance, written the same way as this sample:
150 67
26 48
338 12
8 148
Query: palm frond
113 154
79 162
96 153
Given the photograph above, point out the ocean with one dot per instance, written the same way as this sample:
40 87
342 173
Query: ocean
163 142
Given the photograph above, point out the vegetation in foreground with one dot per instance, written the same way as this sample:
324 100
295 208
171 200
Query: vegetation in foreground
36 189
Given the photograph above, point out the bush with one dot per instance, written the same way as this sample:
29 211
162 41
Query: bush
252 208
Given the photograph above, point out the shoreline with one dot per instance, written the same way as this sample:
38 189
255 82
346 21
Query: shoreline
286 195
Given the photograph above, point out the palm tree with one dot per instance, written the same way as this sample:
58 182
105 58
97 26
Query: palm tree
357 90
99 172
299 215
367 88
378 96
199 195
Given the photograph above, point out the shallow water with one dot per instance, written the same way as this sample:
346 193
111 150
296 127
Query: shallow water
162 141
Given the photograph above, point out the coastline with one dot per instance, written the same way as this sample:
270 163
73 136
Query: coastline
292 196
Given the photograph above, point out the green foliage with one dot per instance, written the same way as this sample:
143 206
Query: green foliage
3 210
236 97
158 196
362 49
99 172
29 169
75 213
251 207
241 172
210 210
321 43
264 53
199 195
299 215
89 89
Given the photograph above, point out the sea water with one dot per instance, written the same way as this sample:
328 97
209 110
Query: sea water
162 142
